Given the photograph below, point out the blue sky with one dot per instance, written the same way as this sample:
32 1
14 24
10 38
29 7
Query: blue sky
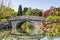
40 4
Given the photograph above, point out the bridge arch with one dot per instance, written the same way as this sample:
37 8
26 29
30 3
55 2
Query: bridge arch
35 20
22 22
28 28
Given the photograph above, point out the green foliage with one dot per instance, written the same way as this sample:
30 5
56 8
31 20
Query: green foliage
26 27
7 12
3 20
20 10
53 19
29 11
54 30
37 12
25 10
32 12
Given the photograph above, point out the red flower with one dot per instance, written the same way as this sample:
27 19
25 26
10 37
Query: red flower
46 13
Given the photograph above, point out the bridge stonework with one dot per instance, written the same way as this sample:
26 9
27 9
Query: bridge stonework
35 20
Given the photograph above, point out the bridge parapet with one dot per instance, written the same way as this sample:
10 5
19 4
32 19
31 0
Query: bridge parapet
28 18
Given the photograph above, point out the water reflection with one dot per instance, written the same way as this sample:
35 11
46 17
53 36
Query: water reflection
50 38
27 38
57 39
5 35
44 38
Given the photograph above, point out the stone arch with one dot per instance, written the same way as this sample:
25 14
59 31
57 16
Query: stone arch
20 23
35 24
19 26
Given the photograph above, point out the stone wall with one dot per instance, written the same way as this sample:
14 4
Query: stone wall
4 25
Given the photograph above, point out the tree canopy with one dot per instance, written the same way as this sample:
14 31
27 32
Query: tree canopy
20 11
32 12
7 12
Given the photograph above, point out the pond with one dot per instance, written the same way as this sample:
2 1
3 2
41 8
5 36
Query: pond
24 34
5 35
50 38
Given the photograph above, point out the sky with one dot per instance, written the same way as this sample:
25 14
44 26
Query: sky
40 4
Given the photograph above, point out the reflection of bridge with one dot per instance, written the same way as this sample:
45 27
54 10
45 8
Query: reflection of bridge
35 20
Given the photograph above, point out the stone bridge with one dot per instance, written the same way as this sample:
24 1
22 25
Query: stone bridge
35 20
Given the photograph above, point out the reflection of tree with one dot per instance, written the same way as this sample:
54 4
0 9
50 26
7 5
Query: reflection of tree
27 27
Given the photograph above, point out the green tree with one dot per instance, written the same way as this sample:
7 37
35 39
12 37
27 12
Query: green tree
25 10
37 12
7 12
29 11
20 11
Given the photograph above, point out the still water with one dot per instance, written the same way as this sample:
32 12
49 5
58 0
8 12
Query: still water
45 38
50 38
5 35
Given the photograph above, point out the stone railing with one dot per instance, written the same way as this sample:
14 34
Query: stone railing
27 17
